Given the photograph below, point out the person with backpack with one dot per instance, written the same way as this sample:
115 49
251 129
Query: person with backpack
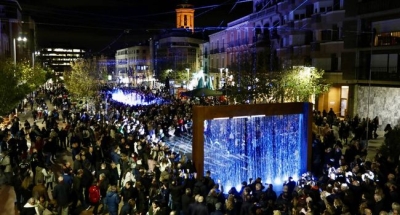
112 200
94 196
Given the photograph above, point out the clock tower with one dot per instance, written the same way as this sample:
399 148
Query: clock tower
185 16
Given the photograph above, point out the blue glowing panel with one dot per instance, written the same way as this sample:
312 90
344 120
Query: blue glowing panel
270 147
134 98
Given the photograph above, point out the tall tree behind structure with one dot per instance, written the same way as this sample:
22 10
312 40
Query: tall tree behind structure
82 82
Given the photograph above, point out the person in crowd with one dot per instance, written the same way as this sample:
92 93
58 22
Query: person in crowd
61 194
5 163
112 200
30 208
40 190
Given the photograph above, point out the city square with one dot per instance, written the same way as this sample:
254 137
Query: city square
236 107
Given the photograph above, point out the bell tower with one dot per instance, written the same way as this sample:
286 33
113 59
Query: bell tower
185 16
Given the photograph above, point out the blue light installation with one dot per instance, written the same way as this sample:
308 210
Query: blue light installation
270 147
134 98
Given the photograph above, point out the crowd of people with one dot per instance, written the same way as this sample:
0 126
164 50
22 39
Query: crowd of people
122 165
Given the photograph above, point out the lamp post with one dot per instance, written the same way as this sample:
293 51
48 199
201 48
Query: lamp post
220 77
226 85
188 77
19 39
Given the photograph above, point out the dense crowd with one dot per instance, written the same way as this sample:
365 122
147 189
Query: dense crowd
122 165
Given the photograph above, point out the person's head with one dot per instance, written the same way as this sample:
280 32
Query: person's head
196 198
102 176
103 166
155 204
31 201
218 206
367 211
258 186
377 197
78 157
60 178
128 184
396 208
113 188
41 199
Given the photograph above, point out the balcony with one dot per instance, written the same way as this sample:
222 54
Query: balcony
377 6
316 18
315 46
378 73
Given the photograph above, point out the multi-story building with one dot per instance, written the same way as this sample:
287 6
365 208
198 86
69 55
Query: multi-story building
59 58
310 34
370 61
289 32
132 65
17 32
178 49
228 47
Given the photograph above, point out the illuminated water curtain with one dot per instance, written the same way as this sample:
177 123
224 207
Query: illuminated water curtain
270 147
135 98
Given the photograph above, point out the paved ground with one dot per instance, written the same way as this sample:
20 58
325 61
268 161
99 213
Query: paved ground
7 194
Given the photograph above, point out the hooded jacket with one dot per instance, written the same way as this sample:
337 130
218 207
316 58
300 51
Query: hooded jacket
112 201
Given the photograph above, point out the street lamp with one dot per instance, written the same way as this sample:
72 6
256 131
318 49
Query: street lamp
220 77
19 39
188 77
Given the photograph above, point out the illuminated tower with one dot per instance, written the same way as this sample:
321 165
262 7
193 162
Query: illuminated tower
185 16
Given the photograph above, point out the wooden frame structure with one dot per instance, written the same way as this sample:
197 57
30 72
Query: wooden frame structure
201 113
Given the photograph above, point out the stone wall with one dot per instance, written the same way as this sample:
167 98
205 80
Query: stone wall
384 102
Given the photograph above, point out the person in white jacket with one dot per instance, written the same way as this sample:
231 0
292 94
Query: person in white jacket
128 177
30 207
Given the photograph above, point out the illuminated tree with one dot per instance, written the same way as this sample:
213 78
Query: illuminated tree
82 81
17 81
30 77
299 83
179 76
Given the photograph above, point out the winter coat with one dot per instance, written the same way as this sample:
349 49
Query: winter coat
112 201
61 194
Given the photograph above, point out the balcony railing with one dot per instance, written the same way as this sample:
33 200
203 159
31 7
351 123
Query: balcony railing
376 6
315 46
379 73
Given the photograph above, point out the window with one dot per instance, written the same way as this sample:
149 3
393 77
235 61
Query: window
238 37
185 20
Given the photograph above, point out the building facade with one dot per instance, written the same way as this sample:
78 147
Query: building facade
132 65
178 50
371 58
290 33
59 58
17 32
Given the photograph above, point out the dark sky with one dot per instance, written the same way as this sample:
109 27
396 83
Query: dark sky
100 24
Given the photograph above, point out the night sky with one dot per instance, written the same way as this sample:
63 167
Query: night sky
110 24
